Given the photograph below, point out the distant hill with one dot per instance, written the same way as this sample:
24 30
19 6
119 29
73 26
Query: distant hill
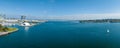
100 21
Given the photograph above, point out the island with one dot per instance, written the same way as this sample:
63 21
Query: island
6 30
100 21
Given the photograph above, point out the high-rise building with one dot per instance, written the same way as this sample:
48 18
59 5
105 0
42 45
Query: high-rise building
23 17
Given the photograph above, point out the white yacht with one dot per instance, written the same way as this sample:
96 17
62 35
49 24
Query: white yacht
25 24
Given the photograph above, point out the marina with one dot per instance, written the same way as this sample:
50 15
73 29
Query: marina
21 22
12 22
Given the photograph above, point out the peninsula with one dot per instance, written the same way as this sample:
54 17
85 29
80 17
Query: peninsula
6 30
101 21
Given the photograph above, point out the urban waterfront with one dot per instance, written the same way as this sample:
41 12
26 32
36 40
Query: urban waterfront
64 34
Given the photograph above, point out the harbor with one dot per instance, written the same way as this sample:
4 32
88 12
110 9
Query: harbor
6 24
22 21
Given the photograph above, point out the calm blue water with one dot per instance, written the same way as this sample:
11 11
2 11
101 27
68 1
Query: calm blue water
64 35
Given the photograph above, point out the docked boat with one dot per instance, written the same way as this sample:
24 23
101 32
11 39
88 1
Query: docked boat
25 24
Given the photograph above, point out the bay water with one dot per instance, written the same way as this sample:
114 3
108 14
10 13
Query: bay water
64 34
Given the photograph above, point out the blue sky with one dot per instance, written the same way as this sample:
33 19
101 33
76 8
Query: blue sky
61 9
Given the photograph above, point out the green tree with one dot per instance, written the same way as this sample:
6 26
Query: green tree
5 29
1 27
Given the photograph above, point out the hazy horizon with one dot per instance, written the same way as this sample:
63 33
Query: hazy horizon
61 9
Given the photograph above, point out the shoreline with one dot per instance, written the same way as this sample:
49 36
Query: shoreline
8 32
